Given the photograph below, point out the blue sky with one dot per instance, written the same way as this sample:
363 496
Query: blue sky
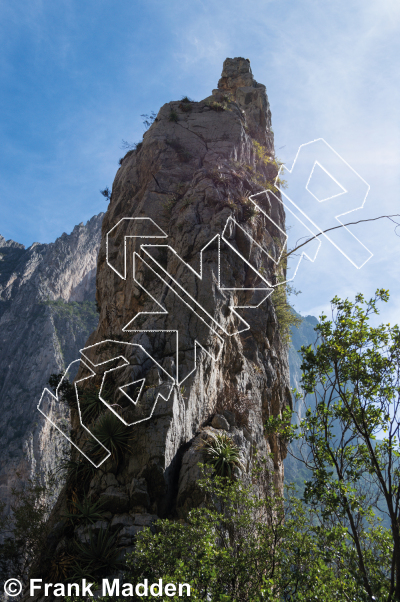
76 76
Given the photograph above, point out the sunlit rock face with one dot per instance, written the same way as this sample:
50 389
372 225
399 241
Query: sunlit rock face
168 311
47 311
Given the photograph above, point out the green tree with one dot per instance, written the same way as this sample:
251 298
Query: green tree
351 439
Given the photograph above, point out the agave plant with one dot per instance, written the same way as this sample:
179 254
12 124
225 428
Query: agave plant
86 511
113 434
100 554
223 455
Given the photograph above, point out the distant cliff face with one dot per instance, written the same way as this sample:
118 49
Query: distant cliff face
304 334
47 311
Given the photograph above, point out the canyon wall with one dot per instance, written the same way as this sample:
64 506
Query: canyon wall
47 311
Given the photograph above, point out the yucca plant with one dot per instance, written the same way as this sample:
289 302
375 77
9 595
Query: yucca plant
100 554
78 471
81 571
60 566
85 511
91 405
113 434
222 454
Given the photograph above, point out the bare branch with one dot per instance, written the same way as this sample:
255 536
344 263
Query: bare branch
372 219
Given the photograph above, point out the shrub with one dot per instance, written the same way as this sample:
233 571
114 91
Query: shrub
248 208
78 471
100 555
85 511
185 107
223 454
106 193
214 105
127 145
188 201
173 116
60 567
217 177
241 547
66 392
267 160
113 434
284 312
90 403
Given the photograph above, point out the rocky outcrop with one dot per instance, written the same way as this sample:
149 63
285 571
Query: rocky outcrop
188 343
47 311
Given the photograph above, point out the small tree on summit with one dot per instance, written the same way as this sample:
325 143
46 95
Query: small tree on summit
106 193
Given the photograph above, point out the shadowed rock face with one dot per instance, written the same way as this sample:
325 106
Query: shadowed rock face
47 310
189 181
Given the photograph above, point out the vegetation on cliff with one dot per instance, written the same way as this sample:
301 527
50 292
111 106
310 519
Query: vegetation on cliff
329 545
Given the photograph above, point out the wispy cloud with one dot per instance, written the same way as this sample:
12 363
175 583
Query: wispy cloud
76 76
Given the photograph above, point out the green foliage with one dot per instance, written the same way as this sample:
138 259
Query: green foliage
222 454
66 391
86 511
241 547
217 177
186 104
214 105
90 403
131 147
81 312
78 472
99 556
188 201
270 165
352 380
113 434
354 377
283 310
173 116
248 208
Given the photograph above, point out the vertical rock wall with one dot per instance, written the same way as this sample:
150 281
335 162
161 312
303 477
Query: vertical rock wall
188 344
47 311
186 184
